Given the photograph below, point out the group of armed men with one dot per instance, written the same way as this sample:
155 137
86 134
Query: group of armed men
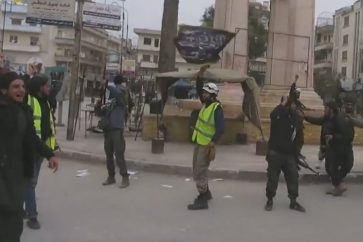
284 145
287 139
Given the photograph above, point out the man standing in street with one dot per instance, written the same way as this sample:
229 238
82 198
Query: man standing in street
282 154
39 90
208 129
18 145
114 133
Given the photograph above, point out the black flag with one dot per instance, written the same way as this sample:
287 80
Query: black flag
200 45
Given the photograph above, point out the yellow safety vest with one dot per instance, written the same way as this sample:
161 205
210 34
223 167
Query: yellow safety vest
204 129
37 113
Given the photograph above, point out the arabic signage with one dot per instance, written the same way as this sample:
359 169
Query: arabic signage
104 16
112 67
51 12
128 67
200 45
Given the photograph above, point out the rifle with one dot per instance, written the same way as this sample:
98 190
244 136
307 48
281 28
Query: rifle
302 162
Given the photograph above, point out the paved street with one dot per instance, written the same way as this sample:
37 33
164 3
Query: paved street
79 209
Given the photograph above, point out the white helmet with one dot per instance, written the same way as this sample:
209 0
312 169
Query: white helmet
211 88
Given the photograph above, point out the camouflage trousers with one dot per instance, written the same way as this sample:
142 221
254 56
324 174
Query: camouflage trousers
200 167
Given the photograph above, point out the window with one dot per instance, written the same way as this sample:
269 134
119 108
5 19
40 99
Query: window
346 21
147 41
13 39
16 21
318 38
156 59
325 38
146 58
345 55
156 43
345 39
60 33
34 41
344 71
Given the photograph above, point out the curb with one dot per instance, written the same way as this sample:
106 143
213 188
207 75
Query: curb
186 171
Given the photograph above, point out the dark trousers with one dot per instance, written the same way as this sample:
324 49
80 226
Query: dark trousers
115 146
339 162
30 197
11 225
278 162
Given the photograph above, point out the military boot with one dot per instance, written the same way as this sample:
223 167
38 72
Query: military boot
294 205
208 195
109 181
125 182
201 202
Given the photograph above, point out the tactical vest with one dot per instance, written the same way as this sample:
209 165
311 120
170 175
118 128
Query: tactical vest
37 113
204 129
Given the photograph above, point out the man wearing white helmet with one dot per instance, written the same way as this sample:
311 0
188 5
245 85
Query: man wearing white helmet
207 130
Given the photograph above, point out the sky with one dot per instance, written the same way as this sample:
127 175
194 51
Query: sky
148 13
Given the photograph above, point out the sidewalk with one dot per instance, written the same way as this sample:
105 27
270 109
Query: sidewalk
233 161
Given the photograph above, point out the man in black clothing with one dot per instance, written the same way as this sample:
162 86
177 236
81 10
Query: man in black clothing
337 136
18 144
282 155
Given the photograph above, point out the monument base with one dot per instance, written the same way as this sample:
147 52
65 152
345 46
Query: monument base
270 97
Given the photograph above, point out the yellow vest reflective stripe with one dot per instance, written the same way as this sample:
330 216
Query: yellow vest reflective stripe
204 129
37 113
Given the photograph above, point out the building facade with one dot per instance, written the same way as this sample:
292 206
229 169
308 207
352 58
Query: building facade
324 42
21 41
148 47
348 41
54 45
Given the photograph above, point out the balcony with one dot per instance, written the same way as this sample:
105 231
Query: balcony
319 64
85 43
88 60
150 65
22 48
323 46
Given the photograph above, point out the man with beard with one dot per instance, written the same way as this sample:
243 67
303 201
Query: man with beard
18 144
337 136
38 99
207 131
282 154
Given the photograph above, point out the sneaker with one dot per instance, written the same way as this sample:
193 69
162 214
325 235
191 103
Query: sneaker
109 181
33 223
199 203
125 182
297 207
269 205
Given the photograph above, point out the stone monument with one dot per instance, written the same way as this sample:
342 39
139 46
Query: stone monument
290 52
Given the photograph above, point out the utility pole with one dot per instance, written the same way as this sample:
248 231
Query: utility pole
72 111
122 35
167 47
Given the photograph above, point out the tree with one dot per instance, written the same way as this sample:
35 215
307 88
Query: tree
169 29
208 17
257 38
257 34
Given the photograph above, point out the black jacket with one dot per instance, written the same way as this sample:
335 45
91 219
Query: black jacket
282 130
17 150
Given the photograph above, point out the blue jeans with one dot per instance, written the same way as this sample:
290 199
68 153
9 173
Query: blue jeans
30 198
